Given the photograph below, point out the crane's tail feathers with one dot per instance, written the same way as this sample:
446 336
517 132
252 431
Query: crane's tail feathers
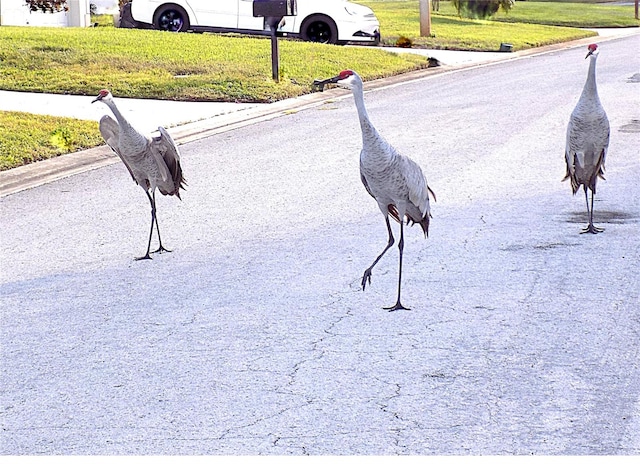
424 223
600 172
182 183
432 194
574 182
179 183
176 192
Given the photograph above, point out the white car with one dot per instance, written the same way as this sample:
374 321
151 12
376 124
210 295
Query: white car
326 21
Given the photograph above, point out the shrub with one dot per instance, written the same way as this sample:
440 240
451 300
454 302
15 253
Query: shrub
48 6
404 42
480 9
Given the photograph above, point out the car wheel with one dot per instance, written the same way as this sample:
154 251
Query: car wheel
172 19
320 29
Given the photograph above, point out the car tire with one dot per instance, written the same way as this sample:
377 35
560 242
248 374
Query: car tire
319 28
171 18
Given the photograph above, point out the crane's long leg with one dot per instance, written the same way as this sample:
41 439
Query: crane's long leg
591 229
153 219
367 273
398 304
160 248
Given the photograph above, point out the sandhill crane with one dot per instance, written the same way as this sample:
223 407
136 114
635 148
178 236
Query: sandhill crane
152 162
587 140
393 180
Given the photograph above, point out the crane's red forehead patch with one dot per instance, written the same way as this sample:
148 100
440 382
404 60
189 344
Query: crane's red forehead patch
346 73
593 47
104 92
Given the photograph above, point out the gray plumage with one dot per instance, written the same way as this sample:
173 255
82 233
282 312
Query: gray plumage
153 162
395 181
587 140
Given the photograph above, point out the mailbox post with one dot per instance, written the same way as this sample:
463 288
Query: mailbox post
273 11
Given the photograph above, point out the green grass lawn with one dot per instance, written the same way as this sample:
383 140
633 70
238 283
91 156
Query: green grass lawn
579 13
527 25
570 14
192 67
25 138
401 18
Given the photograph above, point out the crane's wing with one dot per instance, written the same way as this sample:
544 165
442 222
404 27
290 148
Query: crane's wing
417 184
167 156
110 131
366 185
604 134
364 179
573 154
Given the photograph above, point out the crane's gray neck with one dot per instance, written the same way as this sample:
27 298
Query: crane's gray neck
116 112
368 131
590 89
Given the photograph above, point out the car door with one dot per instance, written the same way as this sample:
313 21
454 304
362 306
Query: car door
216 13
245 17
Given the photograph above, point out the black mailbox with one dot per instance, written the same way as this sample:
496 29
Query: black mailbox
274 8
273 11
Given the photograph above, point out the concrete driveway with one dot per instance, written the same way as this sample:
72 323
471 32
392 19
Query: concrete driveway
253 336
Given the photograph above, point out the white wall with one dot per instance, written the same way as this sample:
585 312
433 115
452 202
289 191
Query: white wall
17 13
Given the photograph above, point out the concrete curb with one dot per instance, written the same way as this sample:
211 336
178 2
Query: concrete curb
25 177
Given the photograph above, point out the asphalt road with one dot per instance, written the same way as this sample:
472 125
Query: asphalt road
253 336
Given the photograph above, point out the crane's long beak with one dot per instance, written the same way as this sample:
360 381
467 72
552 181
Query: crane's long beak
589 54
98 98
320 83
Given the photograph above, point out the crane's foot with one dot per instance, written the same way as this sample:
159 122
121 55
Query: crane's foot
161 249
366 277
396 307
143 257
591 229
